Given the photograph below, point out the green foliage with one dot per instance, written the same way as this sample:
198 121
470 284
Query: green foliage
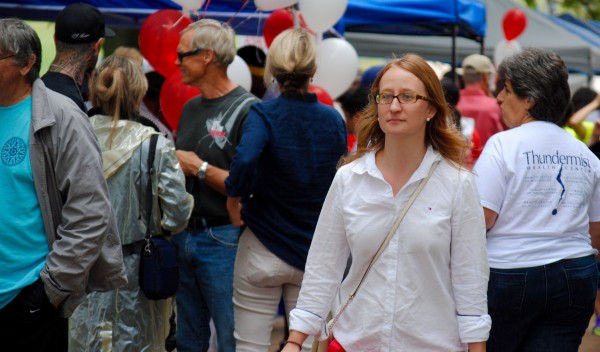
584 9
531 4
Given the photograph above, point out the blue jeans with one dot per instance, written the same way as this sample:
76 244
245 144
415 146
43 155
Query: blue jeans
206 262
545 308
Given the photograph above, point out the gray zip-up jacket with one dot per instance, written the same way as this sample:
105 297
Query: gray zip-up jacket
85 251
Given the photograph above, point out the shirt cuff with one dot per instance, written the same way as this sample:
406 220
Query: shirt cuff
474 328
308 323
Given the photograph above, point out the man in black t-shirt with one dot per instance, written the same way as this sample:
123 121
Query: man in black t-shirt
208 133
78 37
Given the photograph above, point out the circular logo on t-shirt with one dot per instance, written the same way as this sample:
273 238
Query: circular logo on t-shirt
13 151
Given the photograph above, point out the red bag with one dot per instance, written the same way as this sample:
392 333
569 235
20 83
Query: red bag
334 346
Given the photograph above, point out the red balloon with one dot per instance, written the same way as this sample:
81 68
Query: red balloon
322 95
514 23
159 37
173 96
279 21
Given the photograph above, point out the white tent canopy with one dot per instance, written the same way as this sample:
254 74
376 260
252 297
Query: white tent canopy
540 32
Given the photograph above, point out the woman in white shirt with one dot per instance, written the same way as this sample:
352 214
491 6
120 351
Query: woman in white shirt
427 291
540 193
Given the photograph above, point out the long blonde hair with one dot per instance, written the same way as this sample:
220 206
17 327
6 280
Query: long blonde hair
117 88
440 132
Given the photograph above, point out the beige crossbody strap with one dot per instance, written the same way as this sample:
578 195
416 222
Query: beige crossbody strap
389 236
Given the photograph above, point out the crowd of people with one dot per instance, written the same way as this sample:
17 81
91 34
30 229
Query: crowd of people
452 214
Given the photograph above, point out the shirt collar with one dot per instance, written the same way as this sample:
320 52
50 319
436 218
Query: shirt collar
472 92
299 95
367 164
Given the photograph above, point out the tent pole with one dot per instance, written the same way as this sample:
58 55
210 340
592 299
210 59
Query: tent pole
454 58
482 46
590 74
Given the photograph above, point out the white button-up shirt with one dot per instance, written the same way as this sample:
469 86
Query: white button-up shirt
428 290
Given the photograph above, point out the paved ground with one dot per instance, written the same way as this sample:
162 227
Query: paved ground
590 342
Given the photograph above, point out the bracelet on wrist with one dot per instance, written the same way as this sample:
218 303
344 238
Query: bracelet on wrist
293 343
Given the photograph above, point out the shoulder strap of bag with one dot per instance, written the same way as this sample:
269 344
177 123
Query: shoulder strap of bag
149 198
389 236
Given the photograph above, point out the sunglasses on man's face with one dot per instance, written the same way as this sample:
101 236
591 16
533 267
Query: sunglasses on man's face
182 56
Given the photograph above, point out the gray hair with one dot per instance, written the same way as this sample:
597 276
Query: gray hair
541 76
215 35
19 39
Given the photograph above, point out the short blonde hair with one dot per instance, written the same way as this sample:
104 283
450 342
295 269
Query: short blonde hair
292 59
215 35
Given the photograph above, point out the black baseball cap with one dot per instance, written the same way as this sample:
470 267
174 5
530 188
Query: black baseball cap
81 23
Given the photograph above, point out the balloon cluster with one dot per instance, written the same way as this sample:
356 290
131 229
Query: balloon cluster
158 40
337 61
513 25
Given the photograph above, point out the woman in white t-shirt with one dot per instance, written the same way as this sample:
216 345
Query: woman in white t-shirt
427 290
540 193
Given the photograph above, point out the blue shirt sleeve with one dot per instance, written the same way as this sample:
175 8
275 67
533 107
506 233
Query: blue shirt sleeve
254 139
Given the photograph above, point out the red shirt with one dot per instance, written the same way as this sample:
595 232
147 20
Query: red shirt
484 109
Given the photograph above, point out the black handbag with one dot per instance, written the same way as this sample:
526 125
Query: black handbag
159 272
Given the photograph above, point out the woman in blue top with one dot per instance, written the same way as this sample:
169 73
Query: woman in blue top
279 178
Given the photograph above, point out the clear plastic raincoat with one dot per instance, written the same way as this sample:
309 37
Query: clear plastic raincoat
124 319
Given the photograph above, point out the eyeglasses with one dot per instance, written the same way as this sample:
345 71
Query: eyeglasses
403 98
6 57
182 56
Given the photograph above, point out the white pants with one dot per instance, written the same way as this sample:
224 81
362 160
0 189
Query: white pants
260 280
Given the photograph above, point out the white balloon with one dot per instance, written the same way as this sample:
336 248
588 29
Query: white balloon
147 67
270 5
239 72
337 66
505 49
320 15
189 6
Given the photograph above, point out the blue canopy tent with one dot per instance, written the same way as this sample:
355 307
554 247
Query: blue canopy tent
589 25
417 17
131 13
448 18
578 54
456 18
463 18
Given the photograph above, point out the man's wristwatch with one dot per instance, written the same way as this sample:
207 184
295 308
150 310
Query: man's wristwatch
202 171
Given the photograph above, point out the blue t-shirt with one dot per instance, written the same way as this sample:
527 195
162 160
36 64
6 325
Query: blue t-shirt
23 243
